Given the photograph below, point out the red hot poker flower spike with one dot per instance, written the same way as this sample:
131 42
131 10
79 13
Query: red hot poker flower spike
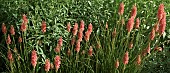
77 46
12 30
126 58
90 28
43 26
156 27
137 23
10 58
47 65
121 8
8 40
34 58
57 62
23 27
68 27
130 24
134 11
148 49
80 35
19 39
75 29
73 40
81 25
4 30
139 60
162 24
160 12
90 52
60 41
117 63
24 19
152 34
87 36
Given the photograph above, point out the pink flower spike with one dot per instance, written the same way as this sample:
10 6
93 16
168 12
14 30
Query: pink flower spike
148 49
80 35
90 28
73 40
57 62
162 24
60 41
126 58
156 27
137 23
47 65
24 19
152 34
9 53
87 36
57 49
68 27
75 29
138 60
8 40
34 58
160 12
130 24
77 49
90 52
12 30
43 26
117 64
81 26
4 30
134 11
121 8
23 27
19 39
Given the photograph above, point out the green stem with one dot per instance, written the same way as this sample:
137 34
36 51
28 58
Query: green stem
124 67
11 67
33 70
